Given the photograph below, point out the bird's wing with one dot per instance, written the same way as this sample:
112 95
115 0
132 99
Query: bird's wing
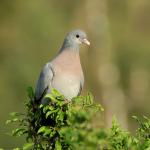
44 81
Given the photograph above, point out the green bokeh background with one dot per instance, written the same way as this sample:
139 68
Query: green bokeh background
116 66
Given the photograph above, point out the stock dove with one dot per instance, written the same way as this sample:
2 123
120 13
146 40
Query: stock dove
64 72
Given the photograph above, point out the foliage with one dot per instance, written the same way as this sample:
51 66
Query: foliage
59 124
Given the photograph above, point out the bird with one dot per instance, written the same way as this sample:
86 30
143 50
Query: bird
64 72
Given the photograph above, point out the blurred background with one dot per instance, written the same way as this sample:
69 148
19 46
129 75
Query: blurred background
116 66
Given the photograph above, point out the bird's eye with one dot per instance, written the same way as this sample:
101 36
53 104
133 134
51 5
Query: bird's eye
77 36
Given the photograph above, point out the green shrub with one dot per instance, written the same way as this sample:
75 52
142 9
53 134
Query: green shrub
63 125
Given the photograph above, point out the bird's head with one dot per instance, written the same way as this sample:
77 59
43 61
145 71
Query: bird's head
76 38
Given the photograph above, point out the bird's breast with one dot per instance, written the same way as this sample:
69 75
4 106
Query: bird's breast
68 74
67 84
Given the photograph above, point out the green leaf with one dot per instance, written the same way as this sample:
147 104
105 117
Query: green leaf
135 117
52 98
12 120
28 146
89 98
41 105
8 121
48 107
58 145
15 114
45 108
56 93
51 112
52 133
47 131
60 116
18 132
15 119
30 92
42 129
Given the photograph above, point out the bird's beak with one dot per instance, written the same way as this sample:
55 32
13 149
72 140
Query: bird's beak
85 41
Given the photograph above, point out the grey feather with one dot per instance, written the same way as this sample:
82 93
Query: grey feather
44 82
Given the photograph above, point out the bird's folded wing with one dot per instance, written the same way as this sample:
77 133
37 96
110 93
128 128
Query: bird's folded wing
44 81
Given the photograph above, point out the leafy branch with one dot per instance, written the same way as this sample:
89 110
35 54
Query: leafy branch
62 125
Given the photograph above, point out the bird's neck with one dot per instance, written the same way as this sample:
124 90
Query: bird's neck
70 45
